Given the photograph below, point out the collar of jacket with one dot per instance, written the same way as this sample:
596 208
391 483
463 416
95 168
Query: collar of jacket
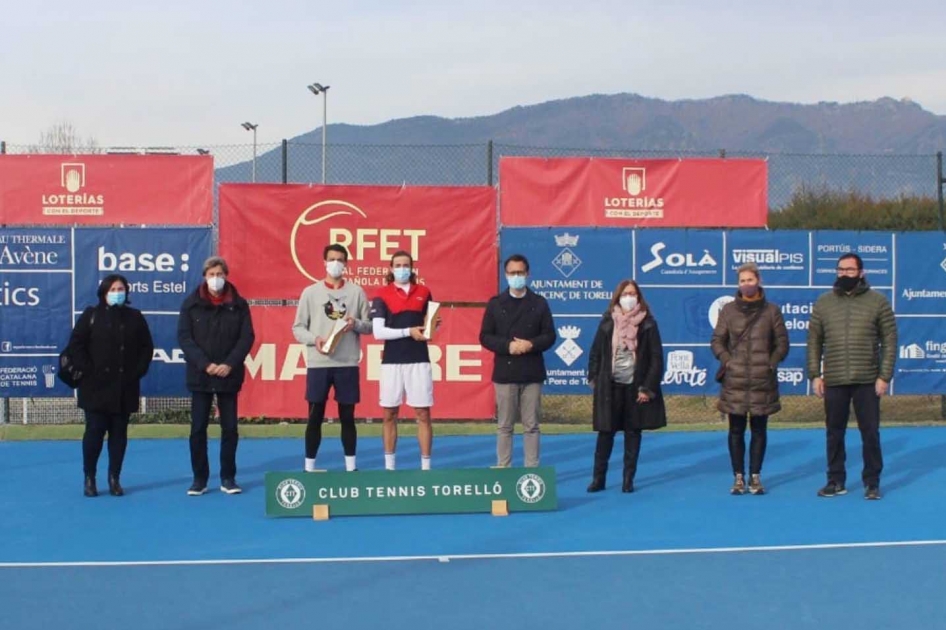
862 287
506 295
750 305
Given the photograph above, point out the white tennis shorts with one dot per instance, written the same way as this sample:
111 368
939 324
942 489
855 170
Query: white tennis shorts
413 381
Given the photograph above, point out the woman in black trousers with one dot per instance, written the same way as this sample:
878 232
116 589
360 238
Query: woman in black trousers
111 344
625 368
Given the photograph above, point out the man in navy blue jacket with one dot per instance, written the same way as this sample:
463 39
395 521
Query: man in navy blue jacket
518 328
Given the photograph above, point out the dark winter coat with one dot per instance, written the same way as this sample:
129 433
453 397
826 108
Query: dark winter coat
209 333
114 352
751 382
508 317
853 338
648 372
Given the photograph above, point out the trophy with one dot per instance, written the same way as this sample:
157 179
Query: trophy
329 345
430 322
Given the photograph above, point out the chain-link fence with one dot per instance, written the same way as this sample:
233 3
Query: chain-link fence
878 176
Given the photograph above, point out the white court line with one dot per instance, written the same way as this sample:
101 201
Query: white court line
476 556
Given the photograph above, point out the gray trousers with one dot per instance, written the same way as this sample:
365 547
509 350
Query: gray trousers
522 401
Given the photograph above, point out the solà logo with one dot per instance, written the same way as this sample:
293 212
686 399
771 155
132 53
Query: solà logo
676 259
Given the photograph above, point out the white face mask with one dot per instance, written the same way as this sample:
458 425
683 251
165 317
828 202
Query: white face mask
628 302
215 283
335 268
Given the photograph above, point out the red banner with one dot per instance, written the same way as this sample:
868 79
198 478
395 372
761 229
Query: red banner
276 368
627 193
106 189
273 236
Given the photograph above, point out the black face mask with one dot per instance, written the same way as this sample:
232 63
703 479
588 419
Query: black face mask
847 283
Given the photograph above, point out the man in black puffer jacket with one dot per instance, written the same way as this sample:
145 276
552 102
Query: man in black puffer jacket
216 333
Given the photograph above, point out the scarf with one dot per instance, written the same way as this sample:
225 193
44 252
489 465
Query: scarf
625 329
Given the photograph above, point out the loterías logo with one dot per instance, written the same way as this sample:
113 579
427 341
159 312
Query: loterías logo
73 202
634 204
370 248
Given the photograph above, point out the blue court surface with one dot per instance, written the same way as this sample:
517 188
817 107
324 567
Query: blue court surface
678 553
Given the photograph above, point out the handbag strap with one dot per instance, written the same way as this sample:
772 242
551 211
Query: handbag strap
745 333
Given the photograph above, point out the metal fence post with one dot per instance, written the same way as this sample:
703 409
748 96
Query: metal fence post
489 163
722 153
285 161
940 182
3 147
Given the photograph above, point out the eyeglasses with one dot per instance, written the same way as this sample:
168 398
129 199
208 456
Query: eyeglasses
517 273
847 270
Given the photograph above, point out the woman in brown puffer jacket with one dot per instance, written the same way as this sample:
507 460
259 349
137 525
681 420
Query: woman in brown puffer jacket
750 340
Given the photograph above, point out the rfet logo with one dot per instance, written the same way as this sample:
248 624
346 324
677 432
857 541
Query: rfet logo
73 202
370 248
634 204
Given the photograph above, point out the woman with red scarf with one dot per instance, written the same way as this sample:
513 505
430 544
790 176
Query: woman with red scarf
625 368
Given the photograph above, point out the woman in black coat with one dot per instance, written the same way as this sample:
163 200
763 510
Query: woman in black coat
625 368
111 344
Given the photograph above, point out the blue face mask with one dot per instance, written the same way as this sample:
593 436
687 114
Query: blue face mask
402 274
115 299
516 283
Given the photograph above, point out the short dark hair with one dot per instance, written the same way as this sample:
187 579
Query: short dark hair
335 247
517 258
107 283
855 258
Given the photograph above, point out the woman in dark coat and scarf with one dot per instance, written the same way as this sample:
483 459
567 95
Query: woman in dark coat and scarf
750 340
111 344
625 368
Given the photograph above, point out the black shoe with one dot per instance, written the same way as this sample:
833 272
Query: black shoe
872 493
90 489
230 486
832 489
628 485
115 488
596 485
197 488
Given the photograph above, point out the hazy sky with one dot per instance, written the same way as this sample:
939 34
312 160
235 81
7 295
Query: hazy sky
188 72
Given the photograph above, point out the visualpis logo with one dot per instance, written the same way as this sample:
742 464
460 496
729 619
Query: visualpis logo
72 177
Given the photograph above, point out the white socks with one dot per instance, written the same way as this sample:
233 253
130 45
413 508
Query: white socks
389 461
350 463
424 463
310 464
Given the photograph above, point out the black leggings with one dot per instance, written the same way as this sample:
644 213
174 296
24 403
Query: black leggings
737 443
313 430
96 426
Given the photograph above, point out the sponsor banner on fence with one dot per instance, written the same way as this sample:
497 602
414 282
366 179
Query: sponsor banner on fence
783 258
273 236
106 189
921 274
921 356
631 192
162 265
276 369
874 248
411 491
49 276
576 270
679 257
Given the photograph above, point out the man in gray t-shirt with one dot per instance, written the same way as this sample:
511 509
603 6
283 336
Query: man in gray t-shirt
331 316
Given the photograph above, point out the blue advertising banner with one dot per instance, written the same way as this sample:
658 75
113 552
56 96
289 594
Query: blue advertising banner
874 248
576 270
679 257
48 276
687 276
161 265
921 274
